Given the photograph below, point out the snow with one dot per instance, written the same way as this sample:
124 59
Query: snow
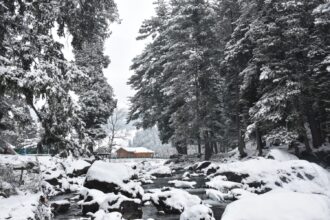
137 149
16 160
19 207
105 200
75 99
275 205
219 183
240 193
197 212
182 184
176 198
296 175
162 170
133 188
61 202
102 215
52 175
109 172
216 195
280 155
77 165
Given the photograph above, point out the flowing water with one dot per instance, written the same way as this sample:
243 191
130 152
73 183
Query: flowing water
150 211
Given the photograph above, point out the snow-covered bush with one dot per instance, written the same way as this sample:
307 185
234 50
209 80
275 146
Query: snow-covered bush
8 181
12 180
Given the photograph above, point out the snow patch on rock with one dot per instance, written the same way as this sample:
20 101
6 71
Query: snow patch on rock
182 184
277 205
197 212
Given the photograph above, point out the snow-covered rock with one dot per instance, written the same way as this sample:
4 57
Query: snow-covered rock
53 177
173 201
102 215
220 183
199 166
240 193
77 168
19 207
261 175
95 200
112 178
186 175
109 172
216 195
197 212
277 205
60 206
182 184
280 155
161 171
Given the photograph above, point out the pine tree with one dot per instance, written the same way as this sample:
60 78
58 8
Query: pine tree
33 66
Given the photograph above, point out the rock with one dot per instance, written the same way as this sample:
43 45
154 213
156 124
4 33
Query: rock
102 215
60 207
211 170
161 171
199 166
128 189
234 177
108 177
78 168
90 207
94 200
173 201
105 187
53 177
203 165
53 181
129 209
197 212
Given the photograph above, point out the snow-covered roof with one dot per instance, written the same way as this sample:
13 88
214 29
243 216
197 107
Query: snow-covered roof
137 149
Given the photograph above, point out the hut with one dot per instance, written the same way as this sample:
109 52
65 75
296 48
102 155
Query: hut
134 152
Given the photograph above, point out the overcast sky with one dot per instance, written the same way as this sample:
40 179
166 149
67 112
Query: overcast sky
122 46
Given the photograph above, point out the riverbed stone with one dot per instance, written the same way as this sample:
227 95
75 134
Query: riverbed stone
60 207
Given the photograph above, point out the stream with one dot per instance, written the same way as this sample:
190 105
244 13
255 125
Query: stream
150 211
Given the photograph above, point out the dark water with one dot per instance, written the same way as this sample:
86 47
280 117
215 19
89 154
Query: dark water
150 211
74 211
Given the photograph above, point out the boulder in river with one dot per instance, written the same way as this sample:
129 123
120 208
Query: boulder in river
173 201
78 168
108 177
60 207
197 212
95 200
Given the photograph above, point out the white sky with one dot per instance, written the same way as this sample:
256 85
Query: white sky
122 46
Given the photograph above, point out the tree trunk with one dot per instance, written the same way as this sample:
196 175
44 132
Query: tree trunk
215 147
208 147
39 148
199 145
259 141
315 129
303 134
301 124
241 144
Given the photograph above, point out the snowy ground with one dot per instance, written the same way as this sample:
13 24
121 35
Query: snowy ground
281 187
